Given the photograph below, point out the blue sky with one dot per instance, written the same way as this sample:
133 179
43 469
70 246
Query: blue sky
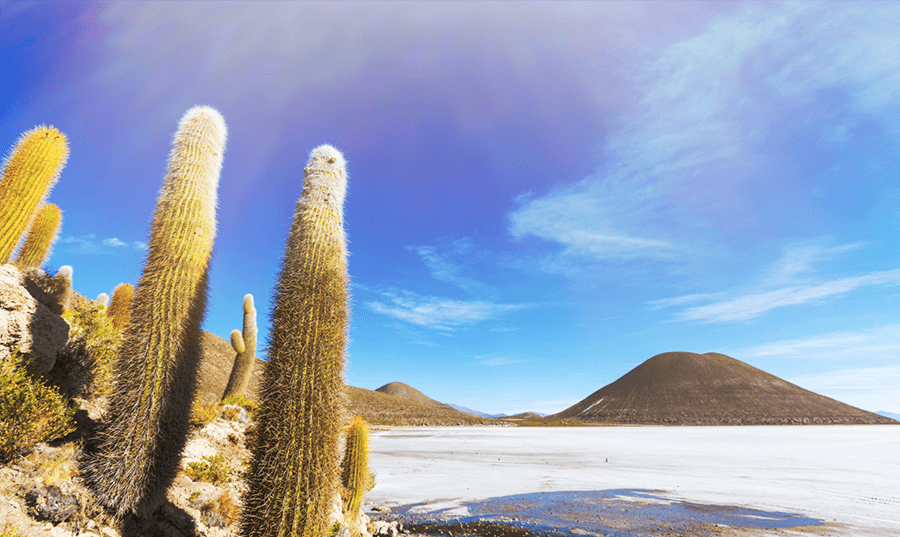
541 195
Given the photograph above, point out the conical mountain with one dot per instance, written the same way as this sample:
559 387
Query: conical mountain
405 391
684 388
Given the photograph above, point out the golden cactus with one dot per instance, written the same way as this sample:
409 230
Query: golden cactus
119 310
246 352
293 477
29 173
41 236
136 456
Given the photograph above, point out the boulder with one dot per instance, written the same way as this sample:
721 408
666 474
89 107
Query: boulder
28 326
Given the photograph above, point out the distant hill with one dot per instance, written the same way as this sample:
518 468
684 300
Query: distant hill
893 415
684 388
405 391
475 412
217 358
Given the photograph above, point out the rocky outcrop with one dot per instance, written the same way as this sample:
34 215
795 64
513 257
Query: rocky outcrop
27 326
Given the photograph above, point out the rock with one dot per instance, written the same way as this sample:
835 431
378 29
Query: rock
27 325
380 527
383 509
50 504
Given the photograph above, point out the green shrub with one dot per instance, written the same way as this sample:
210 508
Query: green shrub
30 411
85 366
212 469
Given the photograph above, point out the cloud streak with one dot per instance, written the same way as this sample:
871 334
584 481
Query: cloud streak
436 312
750 306
90 244
877 343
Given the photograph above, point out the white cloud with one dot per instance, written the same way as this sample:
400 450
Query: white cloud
502 360
753 305
437 312
444 268
688 162
882 343
857 379
791 280
90 244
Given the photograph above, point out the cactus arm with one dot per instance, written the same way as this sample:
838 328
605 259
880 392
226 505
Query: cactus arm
41 235
119 310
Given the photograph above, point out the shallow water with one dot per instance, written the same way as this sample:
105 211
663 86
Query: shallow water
616 512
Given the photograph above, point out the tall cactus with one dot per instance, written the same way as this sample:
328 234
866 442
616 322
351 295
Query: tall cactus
132 461
293 478
29 173
119 310
355 468
246 352
41 236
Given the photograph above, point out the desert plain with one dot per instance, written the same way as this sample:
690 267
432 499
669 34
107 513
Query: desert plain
838 480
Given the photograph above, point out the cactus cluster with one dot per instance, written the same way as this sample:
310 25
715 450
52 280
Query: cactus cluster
244 344
132 461
29 173
293 476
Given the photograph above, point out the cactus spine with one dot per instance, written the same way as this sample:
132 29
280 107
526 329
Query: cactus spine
246 351
355 468
41 236
28 175
294 478
120 306
132 461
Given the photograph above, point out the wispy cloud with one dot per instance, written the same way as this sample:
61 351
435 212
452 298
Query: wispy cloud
753 305
691 163
789 281
90 244
437 312
886 378
873 344
444 265
501 360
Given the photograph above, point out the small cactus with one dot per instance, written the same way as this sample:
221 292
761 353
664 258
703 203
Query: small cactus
119 309
294 476
244 344
29 173
60 293
41 236
355 468
102 300
136 455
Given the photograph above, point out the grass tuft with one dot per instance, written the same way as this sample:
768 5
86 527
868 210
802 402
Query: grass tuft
203 412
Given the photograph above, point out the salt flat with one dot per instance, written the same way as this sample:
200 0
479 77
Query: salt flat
847 476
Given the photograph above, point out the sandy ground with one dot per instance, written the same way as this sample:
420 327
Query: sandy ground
847 477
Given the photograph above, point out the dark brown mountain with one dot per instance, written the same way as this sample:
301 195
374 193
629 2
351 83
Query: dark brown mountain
405 391
684 388
377 408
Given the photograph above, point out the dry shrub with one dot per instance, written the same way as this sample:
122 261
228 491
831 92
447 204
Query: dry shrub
8 530
85 366
203 412
242 401
30 411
